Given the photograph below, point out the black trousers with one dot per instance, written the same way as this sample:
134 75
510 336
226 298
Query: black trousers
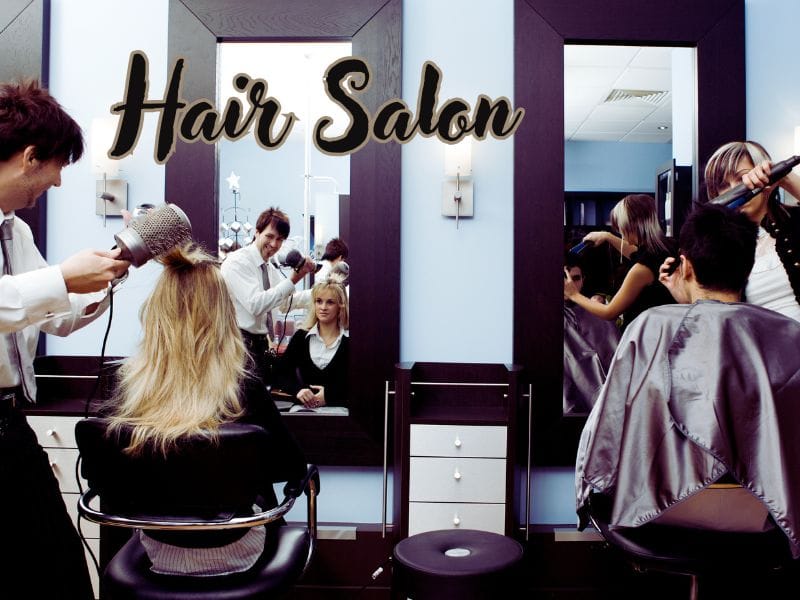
258 348
43 554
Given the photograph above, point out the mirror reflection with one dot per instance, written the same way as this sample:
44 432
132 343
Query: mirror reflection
307 330
629 123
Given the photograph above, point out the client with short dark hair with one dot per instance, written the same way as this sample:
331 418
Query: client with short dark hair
190 374
699 391
589 345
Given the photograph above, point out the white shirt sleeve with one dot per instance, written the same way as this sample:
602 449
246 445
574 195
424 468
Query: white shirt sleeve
32 297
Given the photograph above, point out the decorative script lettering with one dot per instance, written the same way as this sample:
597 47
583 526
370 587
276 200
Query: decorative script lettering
345 80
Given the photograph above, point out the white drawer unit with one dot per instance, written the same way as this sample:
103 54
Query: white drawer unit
455 426
457 479
458 440
431 516
56 434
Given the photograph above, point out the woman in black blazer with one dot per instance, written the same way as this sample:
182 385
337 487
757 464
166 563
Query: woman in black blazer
313 369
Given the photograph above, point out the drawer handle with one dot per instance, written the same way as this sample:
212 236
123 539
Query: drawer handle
457 443
457 475
456 521
51 433
54 465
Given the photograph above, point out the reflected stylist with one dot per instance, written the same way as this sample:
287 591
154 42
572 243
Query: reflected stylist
258 287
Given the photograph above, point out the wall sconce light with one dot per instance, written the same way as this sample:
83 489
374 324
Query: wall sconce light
111 192
457 190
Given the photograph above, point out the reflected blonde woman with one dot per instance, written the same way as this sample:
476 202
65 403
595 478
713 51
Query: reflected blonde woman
641 239
313 370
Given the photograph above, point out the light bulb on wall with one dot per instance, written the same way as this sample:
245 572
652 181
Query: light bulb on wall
457 189
111 192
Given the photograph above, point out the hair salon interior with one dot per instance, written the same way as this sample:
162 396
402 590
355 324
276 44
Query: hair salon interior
455 307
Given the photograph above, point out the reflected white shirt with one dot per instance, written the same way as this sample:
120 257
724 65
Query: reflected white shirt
321 355
242 273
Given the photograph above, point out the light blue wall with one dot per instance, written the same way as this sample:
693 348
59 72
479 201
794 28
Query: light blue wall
456 285
613 167
90 45
773 85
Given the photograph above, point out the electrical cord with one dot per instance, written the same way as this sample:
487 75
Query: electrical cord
89 399
100 373
375 574
285 315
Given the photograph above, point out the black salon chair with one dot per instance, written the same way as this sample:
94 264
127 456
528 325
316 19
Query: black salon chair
205 488
719 563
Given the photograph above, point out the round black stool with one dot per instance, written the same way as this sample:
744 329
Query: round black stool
455 563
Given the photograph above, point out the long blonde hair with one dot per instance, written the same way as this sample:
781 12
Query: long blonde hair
339 294
184 377
635 216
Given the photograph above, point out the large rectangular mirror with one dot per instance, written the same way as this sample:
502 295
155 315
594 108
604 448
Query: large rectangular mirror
628 118
715 29
303 182
371 219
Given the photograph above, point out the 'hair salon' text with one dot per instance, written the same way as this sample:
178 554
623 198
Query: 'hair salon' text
345 79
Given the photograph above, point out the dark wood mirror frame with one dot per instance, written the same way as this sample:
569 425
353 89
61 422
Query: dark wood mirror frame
374 28
542 27
24 54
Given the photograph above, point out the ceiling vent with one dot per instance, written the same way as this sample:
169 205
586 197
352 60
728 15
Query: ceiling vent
653 97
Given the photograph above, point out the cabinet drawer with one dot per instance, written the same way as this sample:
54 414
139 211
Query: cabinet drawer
54 432
89 529
457 480
62 461
430 516
458 440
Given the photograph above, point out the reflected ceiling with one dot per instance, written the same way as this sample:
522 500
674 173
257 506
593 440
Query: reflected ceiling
618 94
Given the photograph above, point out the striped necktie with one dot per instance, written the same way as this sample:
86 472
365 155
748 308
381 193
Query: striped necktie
6 237
265 281
6 241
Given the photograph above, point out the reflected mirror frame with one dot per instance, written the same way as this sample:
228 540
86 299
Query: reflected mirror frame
542 27
372 215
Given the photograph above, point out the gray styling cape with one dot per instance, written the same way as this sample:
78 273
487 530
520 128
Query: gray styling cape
695 392
589 345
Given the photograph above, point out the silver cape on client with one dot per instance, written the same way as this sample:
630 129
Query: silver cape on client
696 392
589 344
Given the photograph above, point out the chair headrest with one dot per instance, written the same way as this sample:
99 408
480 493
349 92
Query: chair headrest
201 476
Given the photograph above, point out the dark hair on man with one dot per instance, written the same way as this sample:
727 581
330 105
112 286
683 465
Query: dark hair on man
30 116
573 260
277 218
721 244
336 248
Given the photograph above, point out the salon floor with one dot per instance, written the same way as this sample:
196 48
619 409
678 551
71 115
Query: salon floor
590 571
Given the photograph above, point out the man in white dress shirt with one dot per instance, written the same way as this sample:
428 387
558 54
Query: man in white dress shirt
43 554
258 287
